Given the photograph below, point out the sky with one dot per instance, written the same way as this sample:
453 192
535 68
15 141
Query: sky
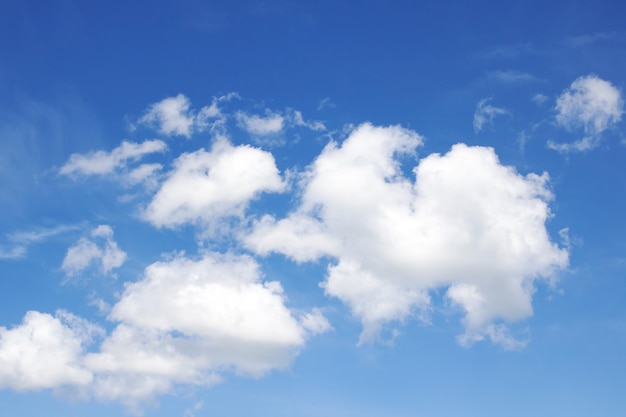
329 208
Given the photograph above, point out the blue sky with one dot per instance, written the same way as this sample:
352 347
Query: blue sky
281 208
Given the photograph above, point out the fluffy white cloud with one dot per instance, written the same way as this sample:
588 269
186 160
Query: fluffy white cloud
485 114
271 124
204 186
590 103
87 252
187 320
466 224
45 352
173 116
170 116
102 163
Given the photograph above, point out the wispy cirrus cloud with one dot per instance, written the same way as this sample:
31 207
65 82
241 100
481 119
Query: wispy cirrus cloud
580 41
485 114
15 252
20 241
105 163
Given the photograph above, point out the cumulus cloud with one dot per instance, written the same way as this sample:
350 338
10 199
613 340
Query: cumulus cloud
184 322
205 186
591 104
173 116
170 116
100 250
45 351
486 113
187 320
103 163
466 224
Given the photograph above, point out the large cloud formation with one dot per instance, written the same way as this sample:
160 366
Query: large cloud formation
462 225
186 321
466 223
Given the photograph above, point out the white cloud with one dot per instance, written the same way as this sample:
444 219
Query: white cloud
21 240
173 116
86 252
45 352
38 235
296 119
581 145
205 186
188 320
275 124
16 252
146 174
185 322
270 124
103 163
170 116
466 224
486 113
591 104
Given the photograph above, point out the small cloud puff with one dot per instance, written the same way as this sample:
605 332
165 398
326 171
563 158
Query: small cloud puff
87 252
173 116
486 113
591 105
